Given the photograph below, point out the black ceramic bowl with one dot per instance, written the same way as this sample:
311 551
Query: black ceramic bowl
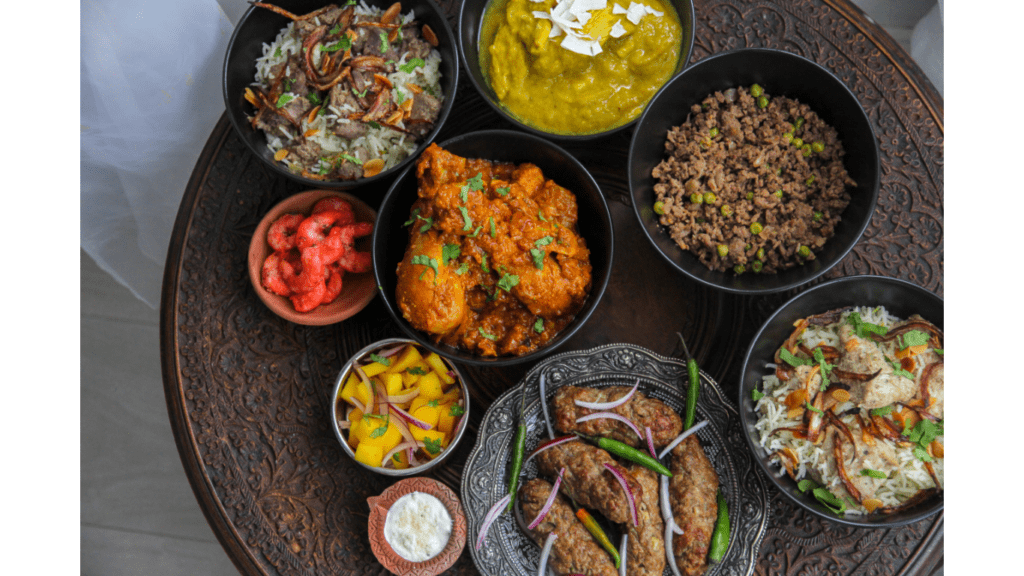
471 19
780 74
901 299
261 25
390 237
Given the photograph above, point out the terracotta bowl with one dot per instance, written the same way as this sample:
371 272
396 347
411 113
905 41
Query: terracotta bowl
379 506
357 289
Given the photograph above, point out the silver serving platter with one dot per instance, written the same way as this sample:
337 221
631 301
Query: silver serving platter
508 551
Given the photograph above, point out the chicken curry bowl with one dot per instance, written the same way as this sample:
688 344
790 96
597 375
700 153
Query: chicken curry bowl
495 264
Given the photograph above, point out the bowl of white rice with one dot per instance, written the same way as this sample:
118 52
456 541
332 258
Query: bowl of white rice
312 148
769 423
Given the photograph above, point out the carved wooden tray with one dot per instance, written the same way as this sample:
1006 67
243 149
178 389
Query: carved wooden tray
247 392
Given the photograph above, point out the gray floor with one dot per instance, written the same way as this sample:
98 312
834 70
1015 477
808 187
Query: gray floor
138 513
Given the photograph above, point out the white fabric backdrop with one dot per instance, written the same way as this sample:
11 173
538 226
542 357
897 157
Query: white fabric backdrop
150 83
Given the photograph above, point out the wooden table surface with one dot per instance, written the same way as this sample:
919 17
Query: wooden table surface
247 391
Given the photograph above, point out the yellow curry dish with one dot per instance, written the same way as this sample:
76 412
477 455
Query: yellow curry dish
577 67
495 264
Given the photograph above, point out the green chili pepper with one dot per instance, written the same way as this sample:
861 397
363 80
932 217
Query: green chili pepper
629 453
595 530
720 537
693 390
519 447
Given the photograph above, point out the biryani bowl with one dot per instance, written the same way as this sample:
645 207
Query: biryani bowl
901 299
258 29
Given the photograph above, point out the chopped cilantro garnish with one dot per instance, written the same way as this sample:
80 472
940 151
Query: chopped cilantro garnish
463 268
431 445
412 217
538 258
383 42
806 484
538 326
314 98
374 125
508 282
380 359
465 217
335 30
456 410
862 329
540 214
476 182
428 222
503 191
756 394
883 411
360 94
411 65
826 368
464 193
476 232
939 351
812 408
494 233
922 454
378 432
399 96
351 159
544 241
277 53
829 500
898 370
873 473
792 360
486 335
339 45
913 338
325 167
483 263
284 99
424 260
450 252
287 84
432 403
350 3
396 457
417 371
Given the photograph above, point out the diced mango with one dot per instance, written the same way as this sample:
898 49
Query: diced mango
393 383
430 386
428 414
417 402
451 396
354 415
354 389
386 439
430 437
400 461
445 420
439 367
374 368
369 454
407 358
409 379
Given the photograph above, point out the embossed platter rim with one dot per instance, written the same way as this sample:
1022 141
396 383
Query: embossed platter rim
507 551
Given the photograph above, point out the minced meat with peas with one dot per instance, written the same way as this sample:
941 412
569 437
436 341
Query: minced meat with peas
752 183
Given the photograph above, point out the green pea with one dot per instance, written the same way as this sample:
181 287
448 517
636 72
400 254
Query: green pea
714 131
777 193
750 195
806 148
659 208
710 198
762 102
760 254
723 250
817 146
756 90
817 216
798 142
803 251
810 180
787 137
696 198
726 210
740 268
799 123
756 228
756 266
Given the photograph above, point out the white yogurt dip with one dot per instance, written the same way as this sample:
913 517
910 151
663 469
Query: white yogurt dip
417 527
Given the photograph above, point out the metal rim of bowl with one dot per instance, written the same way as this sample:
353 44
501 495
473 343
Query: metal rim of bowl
596 292
486 94
921 512
710 60
414 470
278 168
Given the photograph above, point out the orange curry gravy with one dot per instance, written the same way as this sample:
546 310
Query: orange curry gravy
494 264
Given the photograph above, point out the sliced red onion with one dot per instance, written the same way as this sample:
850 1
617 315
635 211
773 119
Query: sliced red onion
344 424
666 507
355 402
669 554
613 416
547 505
519 518
682 437
391 351
403 398
402 428
630 499
609 405
492 514
410 453
545 553
544 407
623 555
411 419
771 366
551 444
396 450
650 441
